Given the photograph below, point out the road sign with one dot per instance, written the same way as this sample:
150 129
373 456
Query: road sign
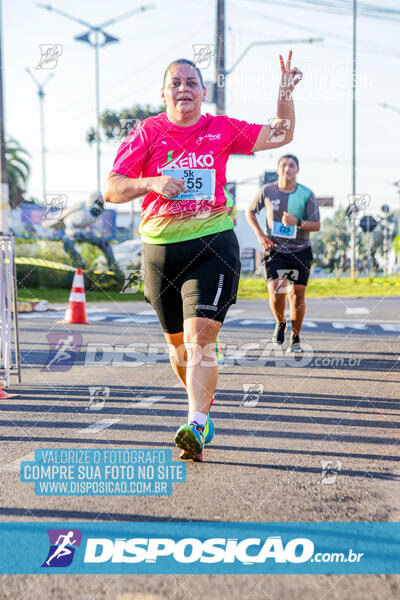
368 223
325 200
230 187
247 259
270 176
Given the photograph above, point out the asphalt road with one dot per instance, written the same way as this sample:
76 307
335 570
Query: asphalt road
338 403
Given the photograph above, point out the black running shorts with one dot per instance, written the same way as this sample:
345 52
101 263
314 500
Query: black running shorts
197 278
293 266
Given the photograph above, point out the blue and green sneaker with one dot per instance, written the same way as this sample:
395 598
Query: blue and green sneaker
209 432
190 437
209 429
220 355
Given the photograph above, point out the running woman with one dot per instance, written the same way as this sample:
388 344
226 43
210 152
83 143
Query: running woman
292 213
177 161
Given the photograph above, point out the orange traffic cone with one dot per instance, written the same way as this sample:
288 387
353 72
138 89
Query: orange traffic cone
76 311
4 394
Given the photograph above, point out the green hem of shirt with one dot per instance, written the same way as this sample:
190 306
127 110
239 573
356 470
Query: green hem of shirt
186 238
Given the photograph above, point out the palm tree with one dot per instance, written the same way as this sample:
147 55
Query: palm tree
18 171
110 121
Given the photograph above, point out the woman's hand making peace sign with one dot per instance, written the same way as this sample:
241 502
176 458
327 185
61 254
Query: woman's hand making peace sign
280 129
290 77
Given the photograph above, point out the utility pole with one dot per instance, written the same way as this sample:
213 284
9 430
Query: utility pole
220 62
353 266
4 200
41 94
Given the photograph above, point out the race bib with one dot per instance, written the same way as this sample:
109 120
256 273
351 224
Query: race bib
199 183
284 231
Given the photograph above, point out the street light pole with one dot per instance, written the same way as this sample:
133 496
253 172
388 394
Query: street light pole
41 95
97 71
4 200
220 61
96 44
353 265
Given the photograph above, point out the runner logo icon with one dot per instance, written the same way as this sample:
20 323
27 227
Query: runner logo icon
63 543
203 54
286 279
50 54
63 350
55 204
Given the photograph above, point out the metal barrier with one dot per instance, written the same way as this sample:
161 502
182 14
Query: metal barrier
9 338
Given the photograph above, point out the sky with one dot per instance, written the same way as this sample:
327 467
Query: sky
131 72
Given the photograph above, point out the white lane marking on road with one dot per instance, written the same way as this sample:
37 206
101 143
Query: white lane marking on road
263 321
99 426
390 327
357 310
366 320
98 317
148 401
125 320
361 326
14 465
234 312
137 319
309 324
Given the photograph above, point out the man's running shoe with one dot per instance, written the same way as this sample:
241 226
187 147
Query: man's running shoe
190 437
278 337
294 344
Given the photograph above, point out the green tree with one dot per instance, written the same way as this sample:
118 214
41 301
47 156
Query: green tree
18 171
318 249
335 235
110 121
396 245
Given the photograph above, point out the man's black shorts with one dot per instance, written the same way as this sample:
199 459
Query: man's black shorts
294 266
197 278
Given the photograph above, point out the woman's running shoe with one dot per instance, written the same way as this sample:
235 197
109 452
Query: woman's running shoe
209 431
220 356
190 437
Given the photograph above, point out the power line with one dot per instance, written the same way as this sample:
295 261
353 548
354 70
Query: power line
339 7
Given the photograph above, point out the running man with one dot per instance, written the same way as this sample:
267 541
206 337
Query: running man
291 213
62 549
177 161
64 349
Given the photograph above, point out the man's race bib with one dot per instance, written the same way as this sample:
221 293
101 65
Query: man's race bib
199 183
284 231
